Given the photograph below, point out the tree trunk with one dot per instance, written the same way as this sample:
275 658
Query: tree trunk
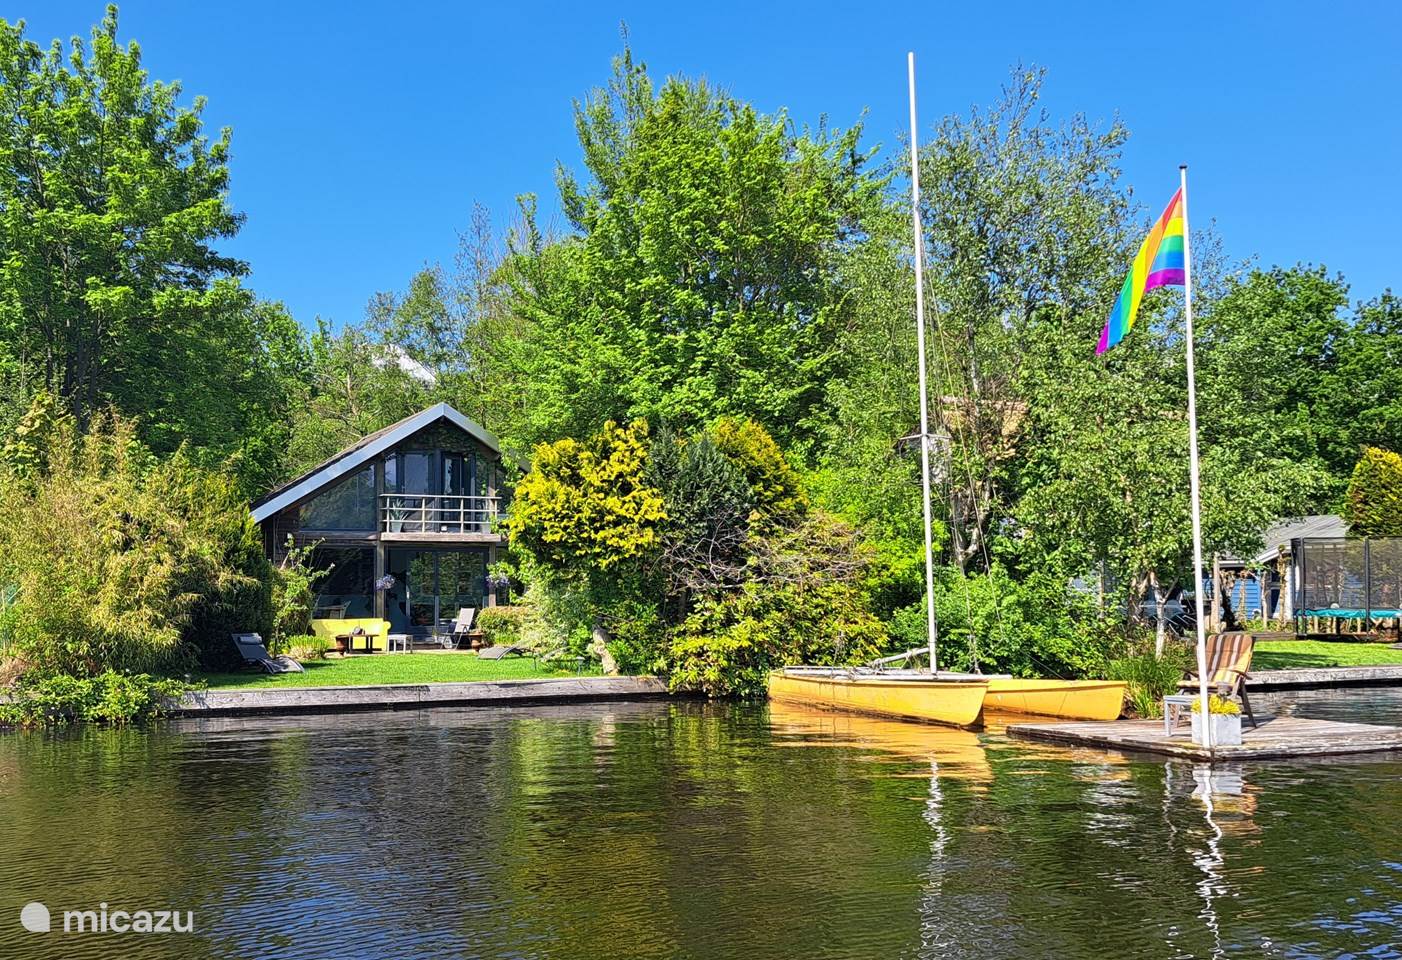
1160 596
1214 620
601 638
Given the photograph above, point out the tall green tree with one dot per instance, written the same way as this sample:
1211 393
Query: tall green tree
702 277
113 291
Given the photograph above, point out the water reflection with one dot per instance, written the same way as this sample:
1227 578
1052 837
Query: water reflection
957 753
697 830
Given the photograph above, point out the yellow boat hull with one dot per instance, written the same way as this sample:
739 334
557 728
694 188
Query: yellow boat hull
1071 699
954 702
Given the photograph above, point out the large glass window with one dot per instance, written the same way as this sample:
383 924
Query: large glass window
350 505
409 473
348 591
432 585
457 474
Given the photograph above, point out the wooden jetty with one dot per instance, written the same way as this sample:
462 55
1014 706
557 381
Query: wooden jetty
1275 738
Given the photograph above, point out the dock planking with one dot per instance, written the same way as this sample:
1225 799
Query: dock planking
1275 738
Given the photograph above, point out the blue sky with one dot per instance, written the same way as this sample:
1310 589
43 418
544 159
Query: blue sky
364 132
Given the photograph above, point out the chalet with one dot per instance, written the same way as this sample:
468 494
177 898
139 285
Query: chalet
405 519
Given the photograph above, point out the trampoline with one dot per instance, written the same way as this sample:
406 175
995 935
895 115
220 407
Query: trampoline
1346 578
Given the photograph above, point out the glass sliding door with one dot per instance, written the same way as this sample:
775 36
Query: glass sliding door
462 582
411 474
431 586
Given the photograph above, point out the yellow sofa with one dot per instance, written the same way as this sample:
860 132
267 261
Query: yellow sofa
377 630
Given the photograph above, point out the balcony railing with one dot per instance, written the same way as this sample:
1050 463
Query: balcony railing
438 513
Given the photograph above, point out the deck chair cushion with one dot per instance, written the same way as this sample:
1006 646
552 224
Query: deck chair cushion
1228 660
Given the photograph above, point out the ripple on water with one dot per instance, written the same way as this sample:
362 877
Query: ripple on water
692 830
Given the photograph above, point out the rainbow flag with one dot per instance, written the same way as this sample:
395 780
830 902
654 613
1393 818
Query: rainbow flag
1159 263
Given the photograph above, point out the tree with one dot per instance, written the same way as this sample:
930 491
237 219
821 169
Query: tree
585 507
1374 503
702 279
1363 400
1026 229
112 291
354 386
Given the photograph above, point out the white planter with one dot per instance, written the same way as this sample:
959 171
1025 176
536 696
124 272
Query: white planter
1226 729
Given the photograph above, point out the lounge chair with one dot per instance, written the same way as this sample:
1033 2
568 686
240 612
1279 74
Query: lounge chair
461 628
250 647
496 653
1228 660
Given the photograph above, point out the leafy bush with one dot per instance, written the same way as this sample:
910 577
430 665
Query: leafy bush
294 595
1028 629
804 602
1150 677
585 506
777 489
1374 503
108 697
637 637
503 626
112 556
307 646
729 646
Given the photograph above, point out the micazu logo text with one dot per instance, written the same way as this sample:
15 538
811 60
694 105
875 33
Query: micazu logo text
35 918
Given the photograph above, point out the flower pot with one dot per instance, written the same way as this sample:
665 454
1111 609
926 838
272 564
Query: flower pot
1226 729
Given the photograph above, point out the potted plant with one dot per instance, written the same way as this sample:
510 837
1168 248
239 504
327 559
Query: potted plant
1225 717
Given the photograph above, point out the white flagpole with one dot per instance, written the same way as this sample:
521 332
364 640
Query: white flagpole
930 626
1193 464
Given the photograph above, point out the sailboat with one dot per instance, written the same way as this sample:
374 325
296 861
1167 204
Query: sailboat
937 696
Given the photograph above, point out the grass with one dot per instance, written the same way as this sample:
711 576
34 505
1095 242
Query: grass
1284 654
390 668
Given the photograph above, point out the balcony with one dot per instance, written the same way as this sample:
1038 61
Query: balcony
435 517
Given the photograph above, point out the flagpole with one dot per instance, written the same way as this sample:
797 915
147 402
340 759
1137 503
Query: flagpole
1193 481
931 630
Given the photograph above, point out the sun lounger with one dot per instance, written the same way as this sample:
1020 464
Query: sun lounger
461 629
1228 660
496 653
250 647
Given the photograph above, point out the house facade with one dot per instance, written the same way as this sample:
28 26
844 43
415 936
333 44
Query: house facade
405 520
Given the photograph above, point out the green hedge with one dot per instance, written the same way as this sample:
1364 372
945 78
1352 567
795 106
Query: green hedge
503 626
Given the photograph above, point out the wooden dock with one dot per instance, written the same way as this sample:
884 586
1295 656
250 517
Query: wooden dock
1275 738
243 701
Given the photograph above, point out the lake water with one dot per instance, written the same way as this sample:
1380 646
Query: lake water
693 830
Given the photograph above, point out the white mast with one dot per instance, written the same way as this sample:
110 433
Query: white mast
931 628
1193 465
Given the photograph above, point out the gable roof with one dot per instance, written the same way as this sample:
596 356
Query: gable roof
363 451
1279 535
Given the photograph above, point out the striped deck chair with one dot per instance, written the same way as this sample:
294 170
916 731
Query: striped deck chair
1228 660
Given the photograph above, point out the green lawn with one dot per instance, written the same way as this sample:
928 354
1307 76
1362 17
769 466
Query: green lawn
1283 654
390 668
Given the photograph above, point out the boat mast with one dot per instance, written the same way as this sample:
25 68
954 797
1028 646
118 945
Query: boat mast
932 630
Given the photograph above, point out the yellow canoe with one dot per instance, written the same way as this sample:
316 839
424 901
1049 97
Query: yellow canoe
1072 699
956 700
